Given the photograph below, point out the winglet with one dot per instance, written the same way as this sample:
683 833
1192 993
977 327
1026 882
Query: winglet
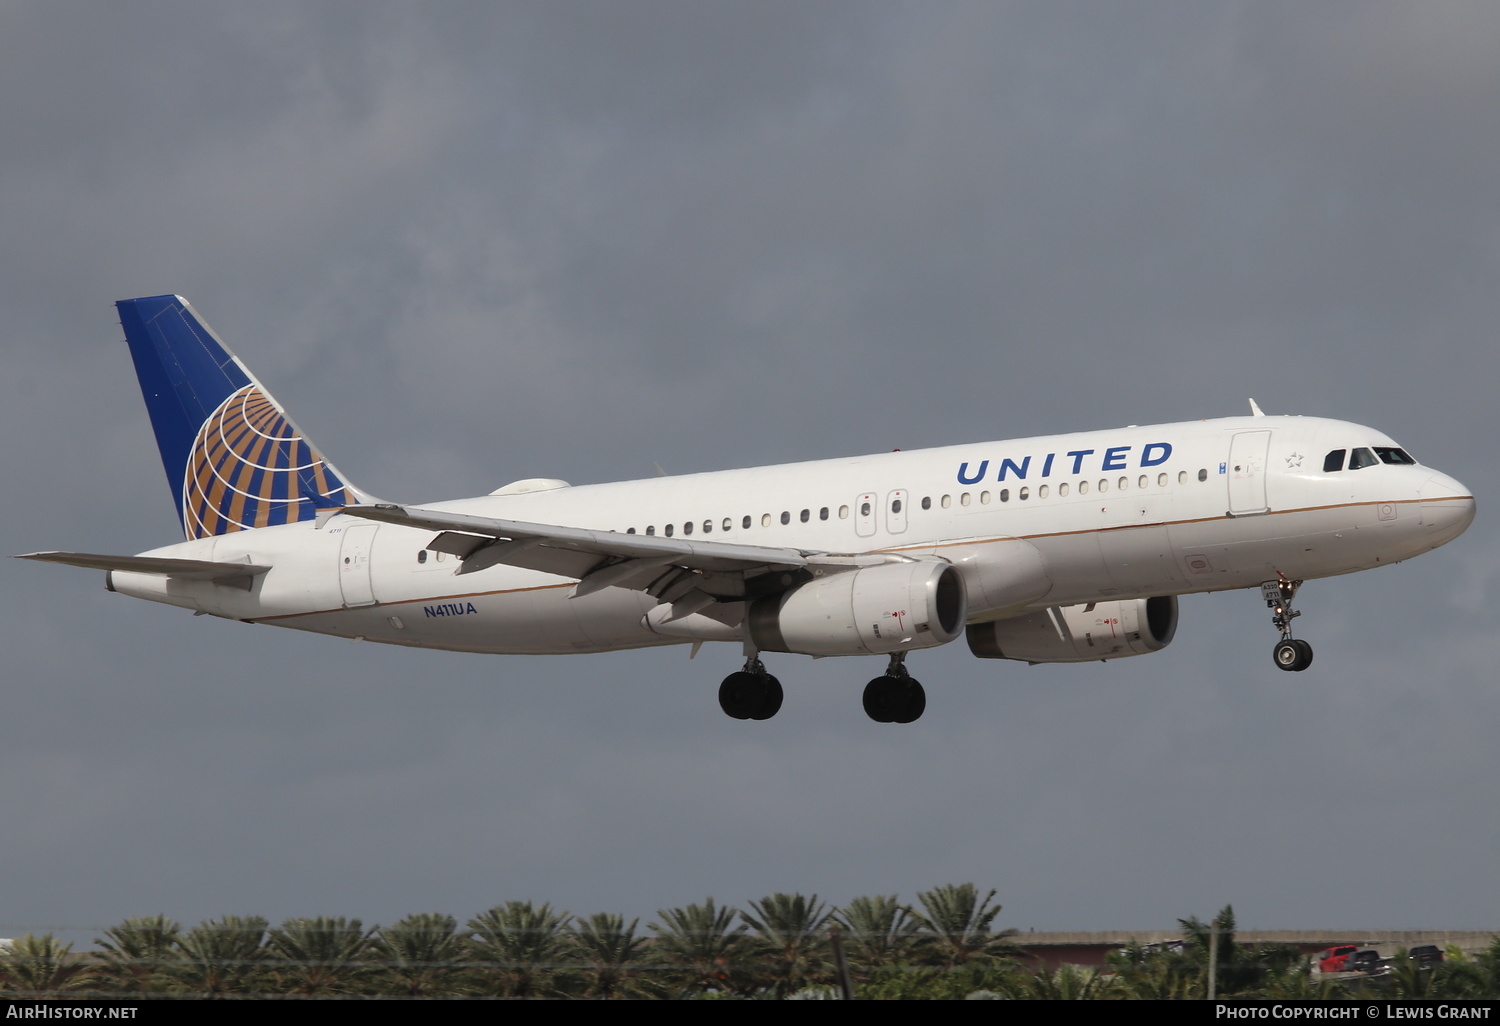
1255 410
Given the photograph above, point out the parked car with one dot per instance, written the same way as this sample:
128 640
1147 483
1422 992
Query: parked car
1425 955
1331 960
1367 961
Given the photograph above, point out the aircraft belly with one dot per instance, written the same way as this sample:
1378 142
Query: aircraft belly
1075 567
1300 544
533 621
1139 560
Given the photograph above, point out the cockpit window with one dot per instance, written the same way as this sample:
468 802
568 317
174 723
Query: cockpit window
1394 456
1361 458
1334 461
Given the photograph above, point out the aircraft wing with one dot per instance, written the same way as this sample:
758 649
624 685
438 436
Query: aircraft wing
238 574
690 575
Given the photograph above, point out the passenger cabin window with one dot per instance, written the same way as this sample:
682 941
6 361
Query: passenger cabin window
1334 462
745 523
926 502
823 513
668 530
1361 458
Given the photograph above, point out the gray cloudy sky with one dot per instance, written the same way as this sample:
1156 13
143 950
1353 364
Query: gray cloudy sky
468 243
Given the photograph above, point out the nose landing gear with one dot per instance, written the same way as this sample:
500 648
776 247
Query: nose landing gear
895 697
1290 653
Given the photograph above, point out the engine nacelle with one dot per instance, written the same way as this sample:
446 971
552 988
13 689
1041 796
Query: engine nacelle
874 610
1076 634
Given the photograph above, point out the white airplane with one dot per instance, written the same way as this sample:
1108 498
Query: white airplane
1056 549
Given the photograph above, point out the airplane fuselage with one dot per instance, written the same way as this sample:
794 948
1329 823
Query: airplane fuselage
1030 524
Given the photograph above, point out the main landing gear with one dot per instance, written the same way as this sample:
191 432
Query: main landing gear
1290 653
753 694
895 697
750 694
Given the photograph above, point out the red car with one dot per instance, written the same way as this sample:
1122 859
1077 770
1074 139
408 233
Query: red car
1331 960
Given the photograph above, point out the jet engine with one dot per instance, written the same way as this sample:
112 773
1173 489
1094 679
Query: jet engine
873 610
1076 634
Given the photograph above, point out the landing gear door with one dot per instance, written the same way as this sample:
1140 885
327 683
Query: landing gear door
354 565
1247 473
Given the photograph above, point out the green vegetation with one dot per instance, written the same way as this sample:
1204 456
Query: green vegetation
781 946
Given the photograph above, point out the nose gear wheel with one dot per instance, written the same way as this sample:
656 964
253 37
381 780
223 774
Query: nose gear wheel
1290 653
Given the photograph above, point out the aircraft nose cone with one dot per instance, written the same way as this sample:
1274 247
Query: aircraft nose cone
1447 508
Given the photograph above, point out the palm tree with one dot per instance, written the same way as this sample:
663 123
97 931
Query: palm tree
137 953
703 946
611 954
320 956
1065 983
1297 983
787 928
421 956
1238 969
878 931
521 946
40 966
954 927
221 956
1464 977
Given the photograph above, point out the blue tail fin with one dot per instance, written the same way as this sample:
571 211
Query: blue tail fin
234 459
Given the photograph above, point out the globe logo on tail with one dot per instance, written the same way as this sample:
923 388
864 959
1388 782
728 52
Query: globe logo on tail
250 468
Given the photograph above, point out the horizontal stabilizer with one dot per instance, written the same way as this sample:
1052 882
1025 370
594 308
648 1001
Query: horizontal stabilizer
238 574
